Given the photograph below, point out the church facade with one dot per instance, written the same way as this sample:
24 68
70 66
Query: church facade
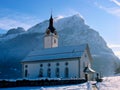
57 62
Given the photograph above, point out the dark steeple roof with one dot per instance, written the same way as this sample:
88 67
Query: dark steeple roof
88 70
51 28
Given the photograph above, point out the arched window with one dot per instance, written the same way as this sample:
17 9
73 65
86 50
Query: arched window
26 73
41 72
41 65
66 63
26 66
57 64
49 64
49 72
66 72
57 72
54 40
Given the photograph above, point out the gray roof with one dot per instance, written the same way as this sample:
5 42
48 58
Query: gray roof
88 69
56 53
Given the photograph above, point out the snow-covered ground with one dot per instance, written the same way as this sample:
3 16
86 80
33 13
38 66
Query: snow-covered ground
109 83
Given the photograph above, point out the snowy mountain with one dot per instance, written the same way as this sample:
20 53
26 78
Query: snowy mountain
71 30
12 33
15 31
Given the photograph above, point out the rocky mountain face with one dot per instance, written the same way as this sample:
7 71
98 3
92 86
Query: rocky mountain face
71 30
15 31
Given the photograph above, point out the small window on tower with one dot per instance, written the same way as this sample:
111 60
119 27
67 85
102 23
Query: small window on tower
54 40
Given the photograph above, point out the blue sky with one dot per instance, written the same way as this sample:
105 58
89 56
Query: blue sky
101 15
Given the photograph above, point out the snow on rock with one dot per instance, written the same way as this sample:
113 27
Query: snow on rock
15 31
59 23
13 50
4 37
12 33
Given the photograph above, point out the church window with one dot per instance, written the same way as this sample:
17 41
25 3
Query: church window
66 72
49 64
41 65
49 72
57 72
57 64
41 72
66 63
54 40
26 73
26 66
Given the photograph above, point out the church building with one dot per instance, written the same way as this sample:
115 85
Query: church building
57 62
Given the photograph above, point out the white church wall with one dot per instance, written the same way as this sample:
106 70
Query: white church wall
50 41
84 62
33 68
47 42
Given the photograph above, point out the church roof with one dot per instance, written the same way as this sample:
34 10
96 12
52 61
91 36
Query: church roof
88 69
56 53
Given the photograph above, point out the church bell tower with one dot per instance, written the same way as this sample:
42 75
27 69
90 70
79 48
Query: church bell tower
51 37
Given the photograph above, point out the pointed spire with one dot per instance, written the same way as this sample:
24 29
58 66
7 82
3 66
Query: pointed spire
51 27
51 13
51 21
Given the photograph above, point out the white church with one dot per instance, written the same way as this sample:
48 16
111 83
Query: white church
57 62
